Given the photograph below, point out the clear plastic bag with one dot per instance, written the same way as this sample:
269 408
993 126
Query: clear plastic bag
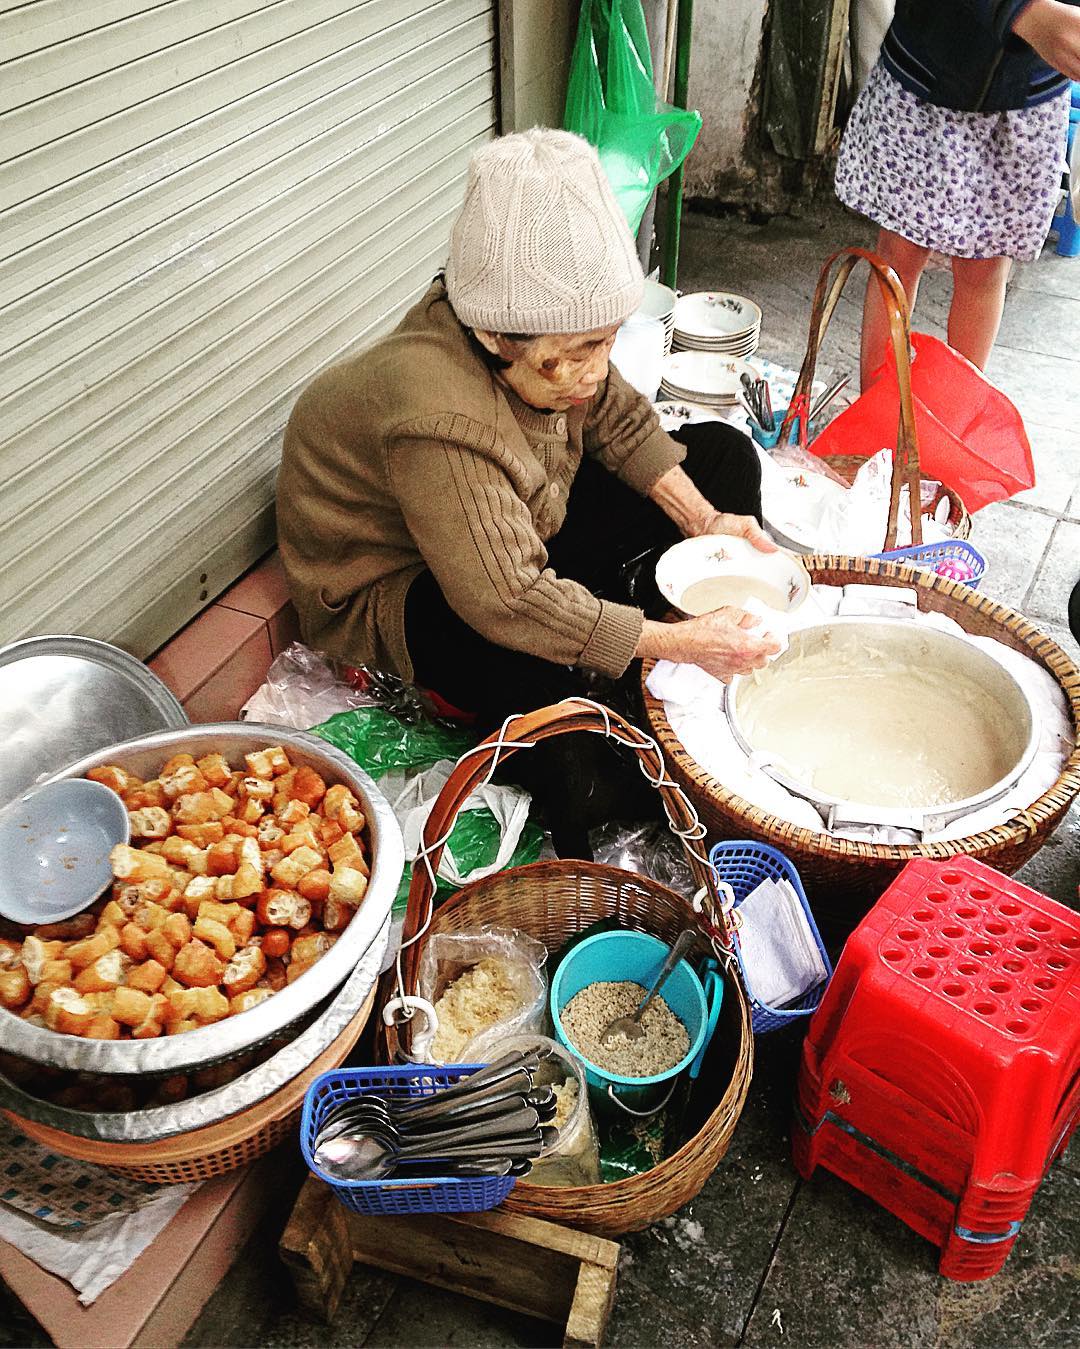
795 457
302 687
479 979
403 758
646 849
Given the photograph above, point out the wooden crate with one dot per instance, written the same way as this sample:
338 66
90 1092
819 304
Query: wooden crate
530 1266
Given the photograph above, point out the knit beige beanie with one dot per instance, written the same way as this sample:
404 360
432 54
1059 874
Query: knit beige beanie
540 244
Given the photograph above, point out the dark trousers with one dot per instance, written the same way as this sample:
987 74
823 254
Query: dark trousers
609 542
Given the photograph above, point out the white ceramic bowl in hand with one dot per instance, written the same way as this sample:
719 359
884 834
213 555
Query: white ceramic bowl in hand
716 570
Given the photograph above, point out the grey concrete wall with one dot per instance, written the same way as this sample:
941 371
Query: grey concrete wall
536 38
724 63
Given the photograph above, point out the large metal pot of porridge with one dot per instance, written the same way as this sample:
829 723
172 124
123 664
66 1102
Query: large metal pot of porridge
886 722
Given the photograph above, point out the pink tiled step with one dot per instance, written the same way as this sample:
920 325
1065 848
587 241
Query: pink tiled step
220 658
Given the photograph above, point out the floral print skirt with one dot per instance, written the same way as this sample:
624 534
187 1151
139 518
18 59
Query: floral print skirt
967 184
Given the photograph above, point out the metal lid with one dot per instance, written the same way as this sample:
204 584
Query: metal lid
62 698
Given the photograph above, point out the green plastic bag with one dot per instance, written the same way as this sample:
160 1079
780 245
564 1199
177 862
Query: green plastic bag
475 843
611 101
380 742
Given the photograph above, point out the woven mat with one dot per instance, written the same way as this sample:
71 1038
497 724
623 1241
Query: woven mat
60 1191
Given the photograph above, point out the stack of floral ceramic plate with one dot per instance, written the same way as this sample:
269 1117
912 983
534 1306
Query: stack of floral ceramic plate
707 378
716 321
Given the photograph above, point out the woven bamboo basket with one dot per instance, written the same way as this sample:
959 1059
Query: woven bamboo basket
200 1154
553 901
906 477
842 877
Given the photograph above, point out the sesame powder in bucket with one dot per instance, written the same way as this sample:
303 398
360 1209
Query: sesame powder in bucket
587 1014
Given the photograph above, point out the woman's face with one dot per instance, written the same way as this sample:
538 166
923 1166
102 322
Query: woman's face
557 372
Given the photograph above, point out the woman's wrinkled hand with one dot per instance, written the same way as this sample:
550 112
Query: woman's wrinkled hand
739 527
722 643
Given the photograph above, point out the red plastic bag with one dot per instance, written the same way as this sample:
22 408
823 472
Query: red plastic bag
971 437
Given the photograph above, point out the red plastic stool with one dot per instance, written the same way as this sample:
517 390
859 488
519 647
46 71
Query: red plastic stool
941 1073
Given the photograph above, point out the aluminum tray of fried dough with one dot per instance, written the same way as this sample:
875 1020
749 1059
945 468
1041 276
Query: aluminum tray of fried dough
236 1034
209 1107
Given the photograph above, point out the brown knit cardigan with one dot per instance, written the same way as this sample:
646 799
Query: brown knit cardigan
413 454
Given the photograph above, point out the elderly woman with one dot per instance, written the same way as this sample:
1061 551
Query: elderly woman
475 502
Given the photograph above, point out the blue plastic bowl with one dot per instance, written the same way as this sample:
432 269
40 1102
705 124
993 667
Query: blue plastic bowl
611 957
55 842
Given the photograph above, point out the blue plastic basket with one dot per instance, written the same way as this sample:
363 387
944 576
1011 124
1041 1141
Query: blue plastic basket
743 865
445 1195
935 552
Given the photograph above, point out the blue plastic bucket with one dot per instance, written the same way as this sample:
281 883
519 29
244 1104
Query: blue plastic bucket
611 957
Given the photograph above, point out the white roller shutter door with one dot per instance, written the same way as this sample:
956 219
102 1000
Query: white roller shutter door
203 202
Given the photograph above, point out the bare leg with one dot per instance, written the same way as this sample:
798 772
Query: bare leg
907 260
977 303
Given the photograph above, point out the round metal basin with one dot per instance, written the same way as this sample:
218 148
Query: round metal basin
929 725
236 1034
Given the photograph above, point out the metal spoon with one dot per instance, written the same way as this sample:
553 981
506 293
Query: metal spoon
510 1063
541 1099
509 1124
481 1167
493 1115
444 1103
369 1159
518 1083
630 1026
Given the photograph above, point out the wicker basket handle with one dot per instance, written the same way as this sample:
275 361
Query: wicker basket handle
905 474
475 765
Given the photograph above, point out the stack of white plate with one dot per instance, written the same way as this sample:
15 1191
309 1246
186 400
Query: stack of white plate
716 321
658 302
704 377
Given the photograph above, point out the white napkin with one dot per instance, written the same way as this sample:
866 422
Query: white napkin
93 1258
779 954
822 603
770 623
879 601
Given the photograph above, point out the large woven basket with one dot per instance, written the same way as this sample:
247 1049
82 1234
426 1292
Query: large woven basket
843 878
554 900
200 1154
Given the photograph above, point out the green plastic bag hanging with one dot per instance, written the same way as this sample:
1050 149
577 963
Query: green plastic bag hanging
611 101
384 744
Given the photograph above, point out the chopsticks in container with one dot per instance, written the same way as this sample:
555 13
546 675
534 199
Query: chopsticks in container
825 398
758 402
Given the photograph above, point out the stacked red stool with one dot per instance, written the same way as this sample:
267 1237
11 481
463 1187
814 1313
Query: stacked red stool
941 1073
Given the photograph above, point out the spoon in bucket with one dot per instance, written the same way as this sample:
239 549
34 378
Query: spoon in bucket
630 1026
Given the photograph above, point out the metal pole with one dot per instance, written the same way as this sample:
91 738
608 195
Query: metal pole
669 269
